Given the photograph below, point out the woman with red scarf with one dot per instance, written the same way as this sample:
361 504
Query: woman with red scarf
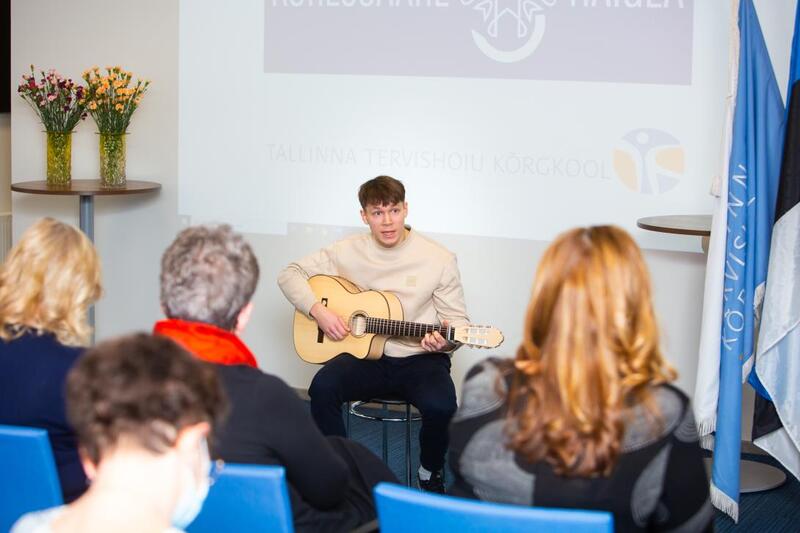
208 277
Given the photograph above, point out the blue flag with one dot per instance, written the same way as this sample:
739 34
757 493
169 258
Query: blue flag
776 423
753 172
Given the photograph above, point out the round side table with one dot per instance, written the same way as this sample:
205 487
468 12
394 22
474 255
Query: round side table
85 190
697 225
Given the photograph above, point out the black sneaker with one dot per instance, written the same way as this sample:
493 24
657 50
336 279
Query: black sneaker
434 484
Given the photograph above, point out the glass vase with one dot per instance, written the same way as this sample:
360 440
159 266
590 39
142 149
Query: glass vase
59 158
112 159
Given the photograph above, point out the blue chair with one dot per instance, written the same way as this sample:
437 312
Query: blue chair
29 480
404 510
246 498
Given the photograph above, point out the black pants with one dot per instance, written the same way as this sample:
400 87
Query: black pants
358 507
423 380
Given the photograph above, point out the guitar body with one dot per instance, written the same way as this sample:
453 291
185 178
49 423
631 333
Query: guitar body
345 299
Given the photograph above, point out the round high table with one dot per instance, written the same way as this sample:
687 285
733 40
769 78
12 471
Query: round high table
680 224
86 190
697 225
754 476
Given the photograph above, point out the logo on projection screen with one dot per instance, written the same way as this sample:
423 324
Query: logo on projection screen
649 161
620 41
523 17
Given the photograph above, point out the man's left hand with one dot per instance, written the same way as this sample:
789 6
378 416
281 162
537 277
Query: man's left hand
434 342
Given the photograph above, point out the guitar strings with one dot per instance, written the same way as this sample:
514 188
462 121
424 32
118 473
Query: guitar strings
407 329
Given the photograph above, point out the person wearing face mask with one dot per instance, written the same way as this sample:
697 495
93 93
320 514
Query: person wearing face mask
142 408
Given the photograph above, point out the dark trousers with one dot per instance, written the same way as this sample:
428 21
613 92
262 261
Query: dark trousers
358 507
423 380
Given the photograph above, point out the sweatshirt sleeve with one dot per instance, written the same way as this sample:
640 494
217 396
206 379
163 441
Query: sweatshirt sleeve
448 297
293 280
312 465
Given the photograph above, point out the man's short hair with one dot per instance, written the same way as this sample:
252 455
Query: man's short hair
208 274
139 390
383 190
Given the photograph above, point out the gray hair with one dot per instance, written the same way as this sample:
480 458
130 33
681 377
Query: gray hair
208 274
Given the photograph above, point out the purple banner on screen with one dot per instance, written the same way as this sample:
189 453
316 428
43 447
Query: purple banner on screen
634 41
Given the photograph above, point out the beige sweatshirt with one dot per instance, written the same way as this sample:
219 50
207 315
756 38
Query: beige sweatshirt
422 273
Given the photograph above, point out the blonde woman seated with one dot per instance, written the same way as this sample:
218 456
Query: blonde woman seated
142 408
585 417
47 283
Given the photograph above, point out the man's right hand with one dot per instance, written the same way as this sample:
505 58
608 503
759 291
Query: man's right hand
329 322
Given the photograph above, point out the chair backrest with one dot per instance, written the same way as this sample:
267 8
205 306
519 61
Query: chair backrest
246 498
28 476
402 510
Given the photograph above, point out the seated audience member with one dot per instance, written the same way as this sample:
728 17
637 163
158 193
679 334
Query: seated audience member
142 409
585 417
48 281
208 277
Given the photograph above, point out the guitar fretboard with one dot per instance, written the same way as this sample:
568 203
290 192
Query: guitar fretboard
401 328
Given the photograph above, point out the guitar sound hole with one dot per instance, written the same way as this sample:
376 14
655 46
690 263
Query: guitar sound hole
358 324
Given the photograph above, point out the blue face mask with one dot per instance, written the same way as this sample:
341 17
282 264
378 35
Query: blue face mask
194 490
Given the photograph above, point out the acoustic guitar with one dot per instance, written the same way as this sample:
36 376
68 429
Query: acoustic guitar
373 317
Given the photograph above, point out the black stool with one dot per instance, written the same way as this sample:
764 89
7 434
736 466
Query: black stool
357 409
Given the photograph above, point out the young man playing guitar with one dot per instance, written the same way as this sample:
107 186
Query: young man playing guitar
424 275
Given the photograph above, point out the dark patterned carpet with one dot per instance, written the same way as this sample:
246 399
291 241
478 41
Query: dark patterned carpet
775 510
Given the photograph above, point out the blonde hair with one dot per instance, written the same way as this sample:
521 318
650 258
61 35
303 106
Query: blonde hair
590 351
47 283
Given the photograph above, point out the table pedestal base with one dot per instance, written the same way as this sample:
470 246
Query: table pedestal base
755 476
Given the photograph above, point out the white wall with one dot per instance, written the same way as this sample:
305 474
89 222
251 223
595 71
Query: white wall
132 232
497 276
777 25
5 162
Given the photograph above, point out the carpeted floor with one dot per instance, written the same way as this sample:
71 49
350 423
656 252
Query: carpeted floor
770 511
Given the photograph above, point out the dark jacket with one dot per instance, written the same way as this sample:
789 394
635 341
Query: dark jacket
269 424
33 370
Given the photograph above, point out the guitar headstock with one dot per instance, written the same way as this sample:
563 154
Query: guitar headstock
478 336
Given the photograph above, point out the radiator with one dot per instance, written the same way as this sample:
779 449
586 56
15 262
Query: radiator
5 235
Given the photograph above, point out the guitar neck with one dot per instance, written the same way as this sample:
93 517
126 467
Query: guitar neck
401 328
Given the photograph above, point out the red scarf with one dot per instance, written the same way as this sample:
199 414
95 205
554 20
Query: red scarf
207 342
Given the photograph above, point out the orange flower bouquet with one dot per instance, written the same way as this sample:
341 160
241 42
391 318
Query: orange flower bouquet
111 100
